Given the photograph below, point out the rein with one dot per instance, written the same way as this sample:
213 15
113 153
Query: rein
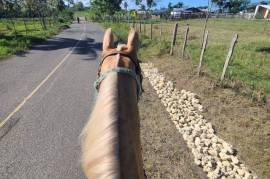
137 75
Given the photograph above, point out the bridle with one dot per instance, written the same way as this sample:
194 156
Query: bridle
137 74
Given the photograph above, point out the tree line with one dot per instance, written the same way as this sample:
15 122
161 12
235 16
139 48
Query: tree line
232 6
108 7
57 10
30 8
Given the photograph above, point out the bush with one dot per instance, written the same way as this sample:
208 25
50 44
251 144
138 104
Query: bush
66 16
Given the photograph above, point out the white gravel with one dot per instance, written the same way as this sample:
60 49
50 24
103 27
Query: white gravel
217 157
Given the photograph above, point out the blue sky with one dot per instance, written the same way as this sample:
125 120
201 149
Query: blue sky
164 3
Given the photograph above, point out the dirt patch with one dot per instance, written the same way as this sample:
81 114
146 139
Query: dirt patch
237 119
165 152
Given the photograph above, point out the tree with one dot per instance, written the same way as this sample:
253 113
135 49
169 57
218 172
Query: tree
125 5
70 2
78 6
234 6
178 5
42 9
220 4
143 7
138 2
61 5
101 7
56 5
170 7
150 3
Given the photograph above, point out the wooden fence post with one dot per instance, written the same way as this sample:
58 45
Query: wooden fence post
34 23
202 52
144 27
129 18
185 43
173 38
140 26
25 26
151 31
229 56
50 21
204 29
160 29
14 26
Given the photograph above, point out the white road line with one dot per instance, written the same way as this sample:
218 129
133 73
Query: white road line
42 83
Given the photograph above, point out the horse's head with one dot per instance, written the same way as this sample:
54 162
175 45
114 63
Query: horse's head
120 59
122 54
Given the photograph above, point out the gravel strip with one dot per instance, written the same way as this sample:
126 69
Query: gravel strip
217 157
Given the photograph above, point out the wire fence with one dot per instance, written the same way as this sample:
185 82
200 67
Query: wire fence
26 26
159 29
230 48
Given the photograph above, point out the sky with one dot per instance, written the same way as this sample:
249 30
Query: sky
164 3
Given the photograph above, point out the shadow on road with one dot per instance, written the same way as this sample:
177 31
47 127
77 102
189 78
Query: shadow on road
87 46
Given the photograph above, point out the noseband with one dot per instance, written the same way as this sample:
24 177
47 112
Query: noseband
137 74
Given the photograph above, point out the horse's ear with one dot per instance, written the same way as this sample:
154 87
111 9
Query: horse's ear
108 39
133 40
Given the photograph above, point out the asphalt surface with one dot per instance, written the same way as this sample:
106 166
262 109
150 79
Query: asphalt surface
44 142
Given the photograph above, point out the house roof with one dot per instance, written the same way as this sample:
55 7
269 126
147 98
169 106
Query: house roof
178 9
194 9
265 6
160 12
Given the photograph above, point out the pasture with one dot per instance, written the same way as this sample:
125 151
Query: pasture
250 63
236 109
17 35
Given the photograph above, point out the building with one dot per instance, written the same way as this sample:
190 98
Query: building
262 12
161 12
177 12
187 13
143 14
194 10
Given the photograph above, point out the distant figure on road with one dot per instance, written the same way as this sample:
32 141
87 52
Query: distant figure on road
78 19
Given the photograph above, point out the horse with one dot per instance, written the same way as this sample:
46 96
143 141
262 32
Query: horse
111 147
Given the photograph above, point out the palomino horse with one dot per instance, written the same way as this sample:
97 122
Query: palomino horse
111 147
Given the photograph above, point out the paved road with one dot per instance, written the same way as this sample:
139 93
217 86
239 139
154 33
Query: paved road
44 142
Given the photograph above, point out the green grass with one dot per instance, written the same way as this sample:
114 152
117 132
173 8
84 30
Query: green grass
80 13
16 40
251 59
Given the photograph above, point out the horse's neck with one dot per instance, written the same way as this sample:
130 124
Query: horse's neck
112 136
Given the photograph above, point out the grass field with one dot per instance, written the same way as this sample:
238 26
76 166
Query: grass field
80 14
251 58
16 40
250 66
